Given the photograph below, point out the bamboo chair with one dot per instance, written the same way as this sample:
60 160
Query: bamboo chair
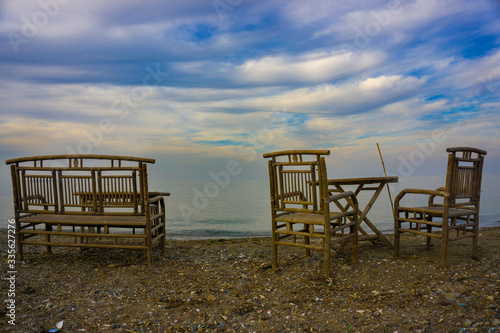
300 206
459 210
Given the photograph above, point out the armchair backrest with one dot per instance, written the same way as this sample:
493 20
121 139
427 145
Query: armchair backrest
298 180
463 179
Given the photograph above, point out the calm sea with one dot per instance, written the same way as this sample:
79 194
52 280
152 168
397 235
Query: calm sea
242 209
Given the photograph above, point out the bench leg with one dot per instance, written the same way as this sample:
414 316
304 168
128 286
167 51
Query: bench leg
163 244
444 248
150 257
396 239
48 227
20 254
149 250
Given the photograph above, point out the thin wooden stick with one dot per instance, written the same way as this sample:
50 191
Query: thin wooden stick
385 174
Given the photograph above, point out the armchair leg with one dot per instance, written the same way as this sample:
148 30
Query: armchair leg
475 238
274 255
354 244
396 240
149 251
326 267
444 248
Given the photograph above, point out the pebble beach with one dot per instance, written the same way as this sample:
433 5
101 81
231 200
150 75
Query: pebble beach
227 285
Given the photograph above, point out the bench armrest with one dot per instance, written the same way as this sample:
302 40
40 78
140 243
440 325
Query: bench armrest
156 193
153 200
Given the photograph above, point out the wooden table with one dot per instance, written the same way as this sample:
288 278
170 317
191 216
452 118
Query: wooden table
375 184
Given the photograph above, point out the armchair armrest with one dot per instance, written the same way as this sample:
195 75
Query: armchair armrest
342 195
432 196
438 192
349 196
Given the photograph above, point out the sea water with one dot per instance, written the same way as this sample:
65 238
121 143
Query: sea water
242 208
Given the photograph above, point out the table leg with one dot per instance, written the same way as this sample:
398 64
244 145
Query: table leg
346 207
363 217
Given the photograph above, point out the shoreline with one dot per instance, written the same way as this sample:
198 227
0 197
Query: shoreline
180 237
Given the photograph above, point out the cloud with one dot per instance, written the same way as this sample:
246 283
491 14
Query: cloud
340 99
307 68
400 19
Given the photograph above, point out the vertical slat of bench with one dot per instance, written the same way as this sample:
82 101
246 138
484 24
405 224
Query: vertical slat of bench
94 191
25 190
17 202
54 189
61 190
134 191
18 187
141 186
163 229
144 193
99 192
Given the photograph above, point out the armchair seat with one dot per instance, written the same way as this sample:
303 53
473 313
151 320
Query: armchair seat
437 211
310 218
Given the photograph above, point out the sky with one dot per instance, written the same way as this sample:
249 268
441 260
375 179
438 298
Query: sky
199 84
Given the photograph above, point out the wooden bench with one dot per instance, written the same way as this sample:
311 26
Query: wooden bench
99 201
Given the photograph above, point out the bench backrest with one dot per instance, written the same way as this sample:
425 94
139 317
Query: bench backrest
85 184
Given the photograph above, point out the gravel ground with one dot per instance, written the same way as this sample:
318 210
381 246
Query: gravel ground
228 286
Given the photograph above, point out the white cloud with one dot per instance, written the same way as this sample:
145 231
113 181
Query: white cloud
481 75
401 20
307 68
340 99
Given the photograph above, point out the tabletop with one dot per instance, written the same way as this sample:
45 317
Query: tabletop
363 180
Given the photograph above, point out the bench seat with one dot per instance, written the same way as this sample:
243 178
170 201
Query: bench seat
88 220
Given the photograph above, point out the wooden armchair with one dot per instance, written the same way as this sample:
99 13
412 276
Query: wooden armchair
300 206
459 210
